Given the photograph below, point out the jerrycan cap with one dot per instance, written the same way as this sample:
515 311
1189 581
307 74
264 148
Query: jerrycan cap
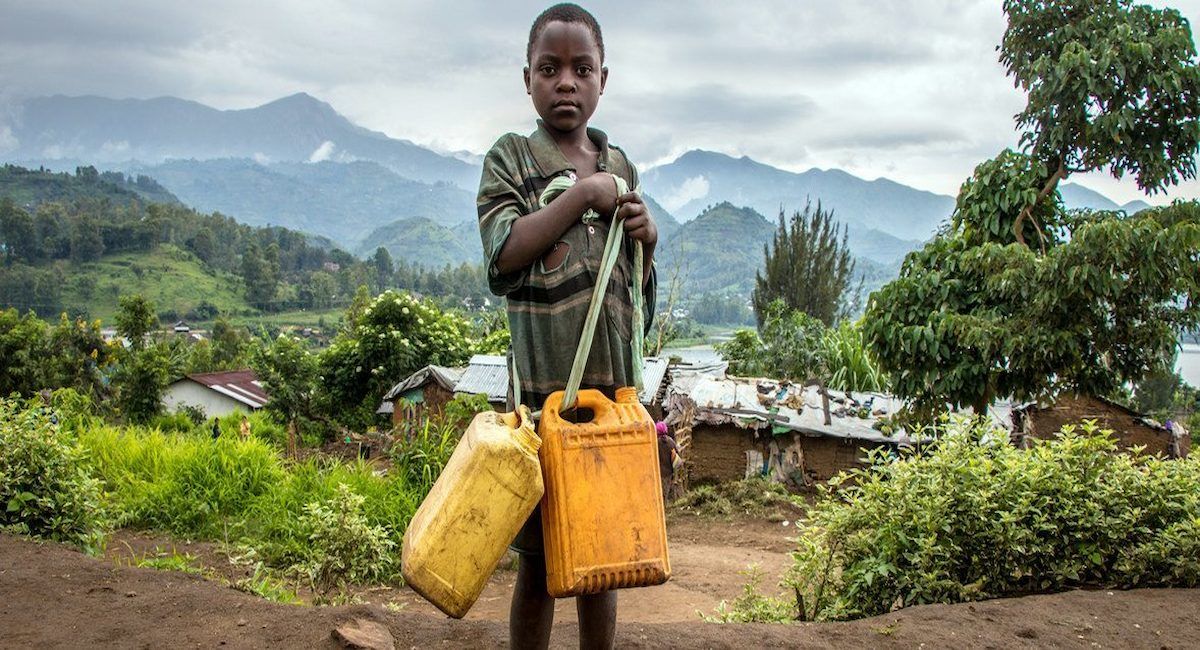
524 431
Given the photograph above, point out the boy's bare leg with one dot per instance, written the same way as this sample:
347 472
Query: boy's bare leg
597 620
532 613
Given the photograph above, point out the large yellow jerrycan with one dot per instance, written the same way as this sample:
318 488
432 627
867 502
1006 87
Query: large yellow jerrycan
602 516
488 489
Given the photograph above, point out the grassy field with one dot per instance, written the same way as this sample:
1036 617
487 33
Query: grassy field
171 278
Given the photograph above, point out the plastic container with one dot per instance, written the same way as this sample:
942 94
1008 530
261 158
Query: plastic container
602 516
488 489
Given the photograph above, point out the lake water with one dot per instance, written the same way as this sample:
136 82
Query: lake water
1188 364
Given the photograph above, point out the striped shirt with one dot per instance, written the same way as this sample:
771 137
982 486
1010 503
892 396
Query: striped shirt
547 307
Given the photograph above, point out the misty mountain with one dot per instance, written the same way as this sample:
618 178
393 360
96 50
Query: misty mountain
1077 196
342 201
701 178
298 128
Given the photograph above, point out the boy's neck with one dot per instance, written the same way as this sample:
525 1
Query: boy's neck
573 141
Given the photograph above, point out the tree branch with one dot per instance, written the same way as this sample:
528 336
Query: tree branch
1027 211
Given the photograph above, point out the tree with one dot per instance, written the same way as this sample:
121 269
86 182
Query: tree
24 348
86 243
788 345
135 319
17 233
140 378
1018 297
289 373
391 337
806 267
383 267
259 277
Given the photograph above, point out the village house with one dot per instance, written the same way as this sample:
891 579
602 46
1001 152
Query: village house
423 393
1130 429
732 428
217 393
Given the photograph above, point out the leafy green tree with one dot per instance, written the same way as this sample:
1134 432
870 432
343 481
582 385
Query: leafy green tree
229 344
382 260
260 279
135 319
24 347
78 356
86 243
17 233
393 336
787 346
318 292
140 378
1020 298
289 373
807 267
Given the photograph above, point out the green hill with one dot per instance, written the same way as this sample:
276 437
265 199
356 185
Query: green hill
421 242
32 187
717 251
170 277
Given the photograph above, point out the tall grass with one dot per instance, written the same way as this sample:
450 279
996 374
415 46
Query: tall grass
234 490
850 363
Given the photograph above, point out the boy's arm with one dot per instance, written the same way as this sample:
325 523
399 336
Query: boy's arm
533 234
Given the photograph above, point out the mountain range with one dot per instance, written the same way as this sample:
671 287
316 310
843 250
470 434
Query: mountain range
296 162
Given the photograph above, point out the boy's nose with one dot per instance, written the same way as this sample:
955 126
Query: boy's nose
566 83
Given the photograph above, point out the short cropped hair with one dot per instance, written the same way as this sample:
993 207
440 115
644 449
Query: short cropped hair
566 12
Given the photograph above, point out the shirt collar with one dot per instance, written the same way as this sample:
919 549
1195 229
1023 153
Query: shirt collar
551 159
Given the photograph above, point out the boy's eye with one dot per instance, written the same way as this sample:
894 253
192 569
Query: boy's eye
583 70
546 69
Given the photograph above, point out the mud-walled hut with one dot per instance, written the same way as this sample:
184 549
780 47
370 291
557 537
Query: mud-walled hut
1130 429
420 395
732 428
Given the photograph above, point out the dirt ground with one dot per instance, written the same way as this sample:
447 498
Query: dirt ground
53 596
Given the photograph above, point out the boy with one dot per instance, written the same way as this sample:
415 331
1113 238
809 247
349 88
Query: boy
545 261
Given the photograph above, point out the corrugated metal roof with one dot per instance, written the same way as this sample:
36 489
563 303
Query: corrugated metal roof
240 385
445 377
792 407
488 375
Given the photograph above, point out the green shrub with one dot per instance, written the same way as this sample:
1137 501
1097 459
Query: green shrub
343 547
45 490
977 518
753 607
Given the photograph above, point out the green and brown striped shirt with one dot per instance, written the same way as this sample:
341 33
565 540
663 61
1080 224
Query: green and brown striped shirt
547 307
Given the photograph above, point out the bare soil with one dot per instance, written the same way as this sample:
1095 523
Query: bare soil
53 596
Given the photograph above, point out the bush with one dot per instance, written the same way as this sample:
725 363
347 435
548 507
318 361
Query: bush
45 490
343 547
977 518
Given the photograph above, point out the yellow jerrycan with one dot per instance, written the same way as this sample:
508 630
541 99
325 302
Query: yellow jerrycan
488 489
602 517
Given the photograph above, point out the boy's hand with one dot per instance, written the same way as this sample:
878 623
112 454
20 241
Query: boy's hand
638 223
601 190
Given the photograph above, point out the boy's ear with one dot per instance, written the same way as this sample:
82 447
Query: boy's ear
526 75
603 77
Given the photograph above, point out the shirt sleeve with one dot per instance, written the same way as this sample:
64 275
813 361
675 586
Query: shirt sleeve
499 204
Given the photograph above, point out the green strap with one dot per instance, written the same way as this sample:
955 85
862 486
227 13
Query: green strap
612 249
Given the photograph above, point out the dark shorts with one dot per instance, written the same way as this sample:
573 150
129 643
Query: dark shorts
529 539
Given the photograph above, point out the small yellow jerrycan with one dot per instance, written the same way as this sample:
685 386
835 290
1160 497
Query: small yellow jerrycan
602 516
488 489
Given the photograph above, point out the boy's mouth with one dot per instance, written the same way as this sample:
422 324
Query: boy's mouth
565 103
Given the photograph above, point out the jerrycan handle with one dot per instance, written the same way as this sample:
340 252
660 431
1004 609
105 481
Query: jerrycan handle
612 250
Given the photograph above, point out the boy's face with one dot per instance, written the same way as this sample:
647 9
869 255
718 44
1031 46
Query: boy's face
565 77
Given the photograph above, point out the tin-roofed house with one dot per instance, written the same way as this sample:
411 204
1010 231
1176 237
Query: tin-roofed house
217 393
422 394
733 428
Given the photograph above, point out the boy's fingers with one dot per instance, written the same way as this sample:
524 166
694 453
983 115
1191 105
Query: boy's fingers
629 197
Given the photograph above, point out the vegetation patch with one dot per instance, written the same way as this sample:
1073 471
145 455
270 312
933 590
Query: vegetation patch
754 497
977 518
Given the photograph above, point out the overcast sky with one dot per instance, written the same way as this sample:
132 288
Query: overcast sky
910 90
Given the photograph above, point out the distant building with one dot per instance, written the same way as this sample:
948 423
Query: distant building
425 392
217 393
1130 429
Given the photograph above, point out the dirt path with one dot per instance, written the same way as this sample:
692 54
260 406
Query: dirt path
53 596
